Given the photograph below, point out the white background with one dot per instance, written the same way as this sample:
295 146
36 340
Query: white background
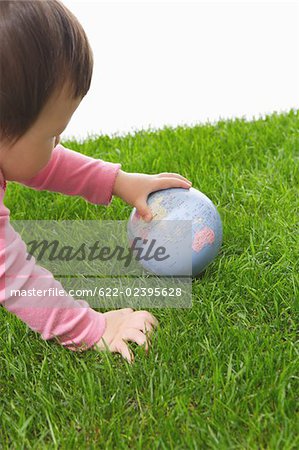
174 63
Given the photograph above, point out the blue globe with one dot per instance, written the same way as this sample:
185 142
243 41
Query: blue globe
186 224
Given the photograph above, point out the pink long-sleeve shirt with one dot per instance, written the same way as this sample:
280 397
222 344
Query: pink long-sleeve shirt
72 322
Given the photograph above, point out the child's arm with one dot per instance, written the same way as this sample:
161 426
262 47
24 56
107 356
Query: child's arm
72 322
73 173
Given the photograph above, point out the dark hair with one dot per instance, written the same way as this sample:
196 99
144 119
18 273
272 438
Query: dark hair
43 48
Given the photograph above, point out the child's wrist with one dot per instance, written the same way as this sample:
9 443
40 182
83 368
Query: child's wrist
96 344
117 184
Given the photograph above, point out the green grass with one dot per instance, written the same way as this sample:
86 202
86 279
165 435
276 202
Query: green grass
223 374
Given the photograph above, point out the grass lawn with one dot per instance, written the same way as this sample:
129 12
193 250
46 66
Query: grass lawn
223 374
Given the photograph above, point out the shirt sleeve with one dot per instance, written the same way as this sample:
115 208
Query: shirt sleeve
73 173
72 322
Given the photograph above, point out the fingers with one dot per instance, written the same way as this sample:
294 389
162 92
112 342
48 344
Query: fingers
127 325
126 310
163 180
167 182
144 321
119 347
175 175
131 334
147 328
148 316
124 350
144 210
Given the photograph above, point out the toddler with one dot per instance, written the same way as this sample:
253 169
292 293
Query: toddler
46 67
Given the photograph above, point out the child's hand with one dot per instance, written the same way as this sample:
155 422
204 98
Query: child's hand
126 325
134 188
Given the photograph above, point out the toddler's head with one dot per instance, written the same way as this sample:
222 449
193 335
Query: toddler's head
46 67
